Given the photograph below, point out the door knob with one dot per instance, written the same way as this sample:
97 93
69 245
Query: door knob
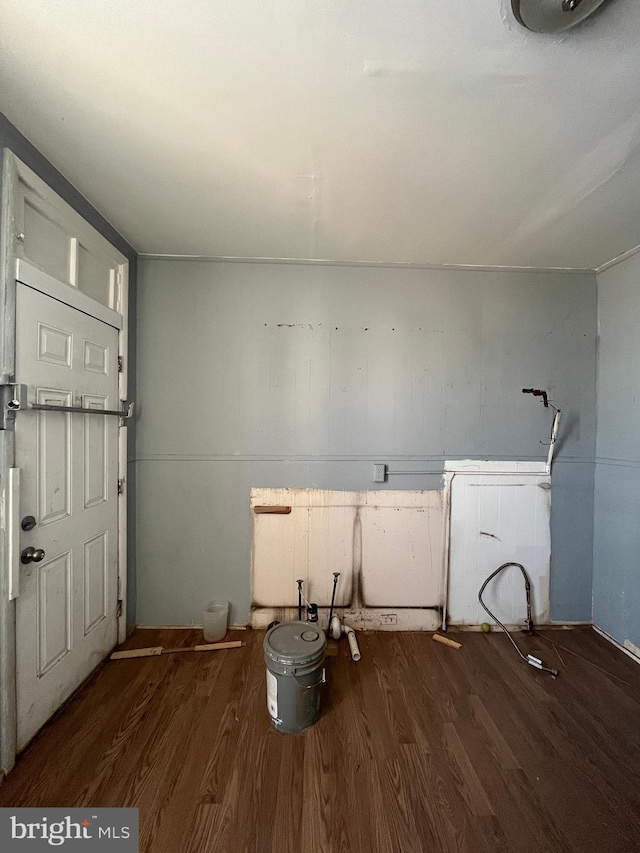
28 522
32 555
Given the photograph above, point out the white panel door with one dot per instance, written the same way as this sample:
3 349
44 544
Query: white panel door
67 605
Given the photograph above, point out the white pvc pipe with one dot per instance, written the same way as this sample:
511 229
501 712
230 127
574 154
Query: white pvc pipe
335 628
353 643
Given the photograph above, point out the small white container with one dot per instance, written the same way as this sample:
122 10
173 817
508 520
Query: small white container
214 620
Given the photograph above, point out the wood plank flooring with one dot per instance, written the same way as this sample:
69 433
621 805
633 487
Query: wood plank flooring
420 748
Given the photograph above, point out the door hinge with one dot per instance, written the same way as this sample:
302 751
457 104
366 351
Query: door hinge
121 486
120 364
119 604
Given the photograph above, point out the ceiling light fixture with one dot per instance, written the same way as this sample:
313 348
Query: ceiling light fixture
553 16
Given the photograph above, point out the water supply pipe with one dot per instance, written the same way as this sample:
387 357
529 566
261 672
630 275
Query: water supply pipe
530 659
336 575
299 582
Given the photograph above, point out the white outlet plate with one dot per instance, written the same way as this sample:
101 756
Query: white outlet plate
389 619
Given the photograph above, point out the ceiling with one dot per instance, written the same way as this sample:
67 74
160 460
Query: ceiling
430 132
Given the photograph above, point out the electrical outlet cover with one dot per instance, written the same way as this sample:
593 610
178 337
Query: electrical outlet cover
379 473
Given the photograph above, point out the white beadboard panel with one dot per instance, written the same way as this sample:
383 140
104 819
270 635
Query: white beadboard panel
314 540
495 519
388 547
402 549
486 466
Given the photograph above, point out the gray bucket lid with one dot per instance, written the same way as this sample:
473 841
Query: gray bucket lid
295 643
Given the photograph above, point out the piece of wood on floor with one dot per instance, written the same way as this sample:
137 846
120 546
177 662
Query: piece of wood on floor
446 641
154 651
212 647
137 653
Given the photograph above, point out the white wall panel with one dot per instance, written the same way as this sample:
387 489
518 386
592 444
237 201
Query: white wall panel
498 518
402 548
388 547
314 540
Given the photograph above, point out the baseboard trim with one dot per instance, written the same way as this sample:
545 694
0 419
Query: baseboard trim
184 627
519 626
618 645
360 619
550 626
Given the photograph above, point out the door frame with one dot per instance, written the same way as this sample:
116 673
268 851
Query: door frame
13 265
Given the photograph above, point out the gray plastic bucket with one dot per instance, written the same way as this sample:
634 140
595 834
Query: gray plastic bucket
294 654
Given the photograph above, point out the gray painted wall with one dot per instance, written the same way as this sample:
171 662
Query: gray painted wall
257 374
11 138
616 550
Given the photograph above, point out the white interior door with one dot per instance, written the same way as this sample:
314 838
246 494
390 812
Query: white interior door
67 604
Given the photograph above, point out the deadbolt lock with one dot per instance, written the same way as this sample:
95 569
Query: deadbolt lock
28 522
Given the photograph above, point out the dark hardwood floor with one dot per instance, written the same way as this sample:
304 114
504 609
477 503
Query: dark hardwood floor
419 748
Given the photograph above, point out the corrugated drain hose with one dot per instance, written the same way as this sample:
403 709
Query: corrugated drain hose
530 659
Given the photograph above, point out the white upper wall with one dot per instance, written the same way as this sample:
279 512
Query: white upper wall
425 132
